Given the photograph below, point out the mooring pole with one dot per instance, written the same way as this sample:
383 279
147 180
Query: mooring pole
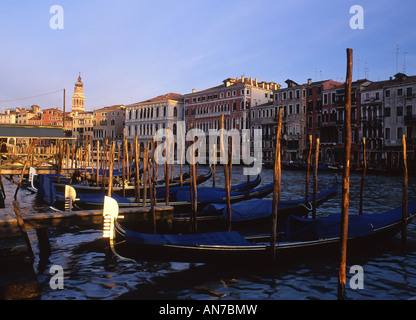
276 183
405 196
308 167
226 173
315 179
345 182
363 177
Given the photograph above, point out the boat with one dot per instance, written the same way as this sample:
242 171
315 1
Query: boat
302 238
256 213
179 197
129 189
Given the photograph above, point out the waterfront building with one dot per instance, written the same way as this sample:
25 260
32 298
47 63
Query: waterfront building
143 119
372 122
109 123
331 124
8 117
399 118
234 99
263 117
293 101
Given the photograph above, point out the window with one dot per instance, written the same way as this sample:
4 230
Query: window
325 98
387 112
409 92
387 93
399 92
399 132
399 111
387 135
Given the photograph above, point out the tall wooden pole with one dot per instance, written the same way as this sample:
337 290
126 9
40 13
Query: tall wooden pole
63 114
110 173
276 183
137 160
167 167
226 172
98 162
345 182
213 165
308 167
152 198
405 196
363 177
315 179
124 162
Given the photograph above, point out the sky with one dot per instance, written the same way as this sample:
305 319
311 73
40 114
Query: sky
133 50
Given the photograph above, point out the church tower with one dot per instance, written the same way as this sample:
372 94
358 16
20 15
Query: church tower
78 97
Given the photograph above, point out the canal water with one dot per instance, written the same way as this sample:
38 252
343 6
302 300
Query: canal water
90 273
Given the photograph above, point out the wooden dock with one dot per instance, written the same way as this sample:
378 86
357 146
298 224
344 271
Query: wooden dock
17 277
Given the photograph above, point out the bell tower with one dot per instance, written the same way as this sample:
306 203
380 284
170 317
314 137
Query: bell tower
78 97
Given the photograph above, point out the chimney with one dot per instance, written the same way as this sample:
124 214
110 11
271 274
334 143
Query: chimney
309 81
193 90
242 79
255 80
251 80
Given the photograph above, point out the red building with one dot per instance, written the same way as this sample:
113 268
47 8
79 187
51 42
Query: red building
232 99
332 120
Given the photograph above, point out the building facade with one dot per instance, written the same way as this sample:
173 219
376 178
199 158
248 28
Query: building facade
293 101
144 118
109 122
235 99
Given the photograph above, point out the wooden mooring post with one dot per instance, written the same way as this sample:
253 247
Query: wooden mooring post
405 195
315 180
226 173
363 177
308 167
345 182
276 186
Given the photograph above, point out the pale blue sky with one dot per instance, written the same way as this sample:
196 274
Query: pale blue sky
129 51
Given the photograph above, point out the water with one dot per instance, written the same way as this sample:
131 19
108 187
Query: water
389 273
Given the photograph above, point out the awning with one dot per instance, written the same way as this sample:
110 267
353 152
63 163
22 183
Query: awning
25 131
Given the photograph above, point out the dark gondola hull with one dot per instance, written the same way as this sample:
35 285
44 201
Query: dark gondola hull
255 249
129 190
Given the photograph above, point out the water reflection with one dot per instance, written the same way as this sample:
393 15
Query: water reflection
90 273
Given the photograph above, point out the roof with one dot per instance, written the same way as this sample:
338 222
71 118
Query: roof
230 82
115 107
30 131
163 97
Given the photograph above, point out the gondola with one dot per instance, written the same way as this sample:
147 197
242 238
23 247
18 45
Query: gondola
180 197
129 190
303 237
255 214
